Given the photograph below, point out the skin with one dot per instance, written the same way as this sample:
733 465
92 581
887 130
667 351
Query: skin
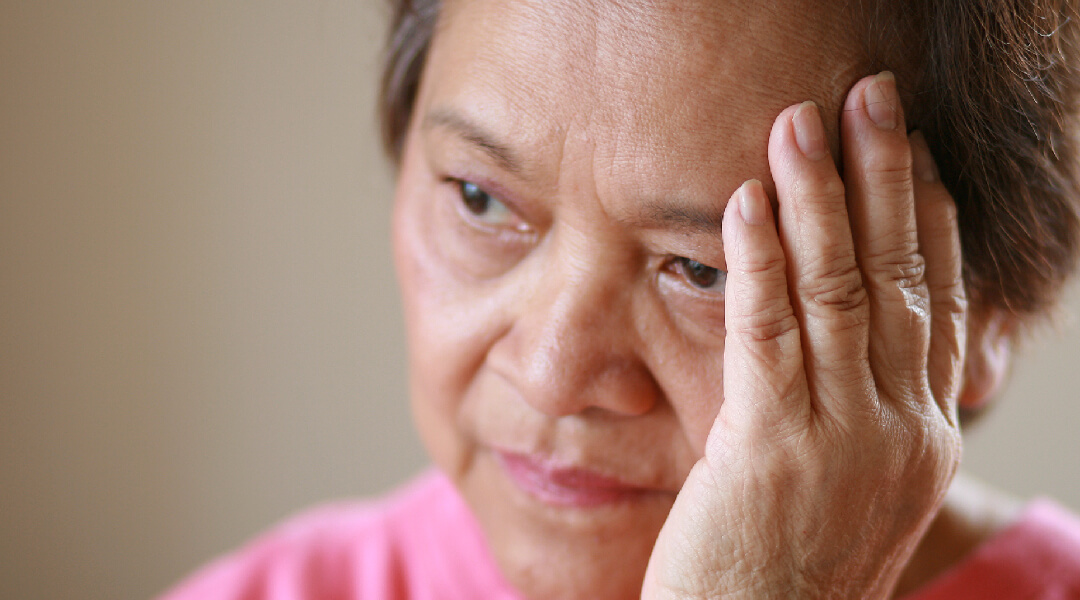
559 321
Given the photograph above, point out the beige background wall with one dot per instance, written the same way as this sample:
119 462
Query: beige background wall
198 321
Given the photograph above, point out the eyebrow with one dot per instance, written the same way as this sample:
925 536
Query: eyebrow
474 134
655 215
681 217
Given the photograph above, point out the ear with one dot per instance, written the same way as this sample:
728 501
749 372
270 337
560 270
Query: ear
990 340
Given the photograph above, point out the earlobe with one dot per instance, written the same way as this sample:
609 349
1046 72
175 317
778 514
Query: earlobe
989 356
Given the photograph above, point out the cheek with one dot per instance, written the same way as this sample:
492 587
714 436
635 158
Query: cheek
449 327
691 373
448 320
454 319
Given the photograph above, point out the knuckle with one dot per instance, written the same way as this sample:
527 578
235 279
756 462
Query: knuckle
949 296
771 321
824 192
935 443
952 448
904 269
831 187
890 178
910 271
833 285
939 454
764 267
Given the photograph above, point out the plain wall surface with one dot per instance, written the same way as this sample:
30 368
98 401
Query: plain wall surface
199 331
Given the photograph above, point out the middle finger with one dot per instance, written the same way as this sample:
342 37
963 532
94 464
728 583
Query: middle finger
824 278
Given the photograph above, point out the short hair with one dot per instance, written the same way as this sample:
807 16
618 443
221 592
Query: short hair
992 84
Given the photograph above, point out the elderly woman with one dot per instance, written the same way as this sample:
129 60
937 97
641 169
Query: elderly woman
697 292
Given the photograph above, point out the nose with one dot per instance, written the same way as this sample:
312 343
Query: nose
574 346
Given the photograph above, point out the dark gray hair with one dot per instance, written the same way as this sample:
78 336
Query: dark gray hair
992 84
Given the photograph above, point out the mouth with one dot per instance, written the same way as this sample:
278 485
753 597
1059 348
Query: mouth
565 486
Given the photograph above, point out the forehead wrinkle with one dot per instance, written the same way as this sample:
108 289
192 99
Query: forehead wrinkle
756 41
667 67
668 109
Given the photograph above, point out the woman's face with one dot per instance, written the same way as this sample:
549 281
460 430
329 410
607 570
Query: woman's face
558 246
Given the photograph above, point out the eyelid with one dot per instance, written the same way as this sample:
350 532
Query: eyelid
523 225
676 263
452 162
491 187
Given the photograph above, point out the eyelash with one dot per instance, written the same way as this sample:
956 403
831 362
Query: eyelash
689 269
470 194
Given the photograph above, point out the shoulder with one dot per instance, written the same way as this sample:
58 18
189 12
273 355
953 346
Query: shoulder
1047 543
1036 557
358 549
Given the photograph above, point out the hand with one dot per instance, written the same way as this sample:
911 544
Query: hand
845 318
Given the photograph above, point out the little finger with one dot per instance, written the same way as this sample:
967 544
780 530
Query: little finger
939 243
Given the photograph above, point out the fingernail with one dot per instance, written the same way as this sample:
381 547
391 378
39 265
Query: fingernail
753 206
922 161
880 100
809 132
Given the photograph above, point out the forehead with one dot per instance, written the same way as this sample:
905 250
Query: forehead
664 87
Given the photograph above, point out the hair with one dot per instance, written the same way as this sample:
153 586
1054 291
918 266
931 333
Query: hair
992 84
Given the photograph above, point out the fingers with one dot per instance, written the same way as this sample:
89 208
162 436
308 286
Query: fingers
939 242
877 168
762 353
873 275
827 290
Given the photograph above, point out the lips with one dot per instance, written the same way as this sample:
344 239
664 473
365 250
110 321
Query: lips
564 486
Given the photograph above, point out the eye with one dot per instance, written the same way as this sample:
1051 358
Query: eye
700 275
487 208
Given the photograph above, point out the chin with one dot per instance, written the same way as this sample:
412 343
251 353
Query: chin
555 552
550 568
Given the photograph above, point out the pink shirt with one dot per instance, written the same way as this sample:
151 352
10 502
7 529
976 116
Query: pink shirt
422 543
1035 558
